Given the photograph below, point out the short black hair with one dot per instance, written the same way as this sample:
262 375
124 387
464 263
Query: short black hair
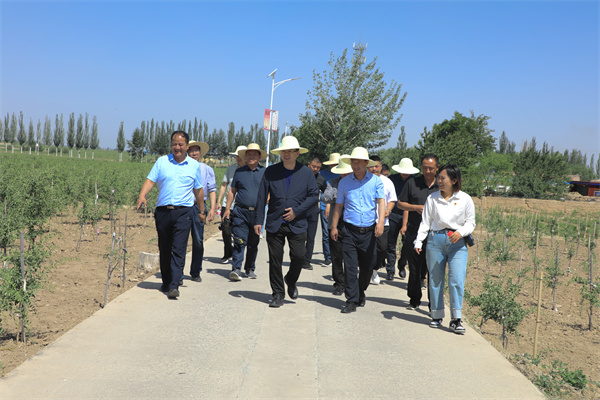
315 159
385 167
375 158
454 174
431 156
181 133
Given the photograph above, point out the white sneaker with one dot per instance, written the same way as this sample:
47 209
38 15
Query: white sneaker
235 275
375 279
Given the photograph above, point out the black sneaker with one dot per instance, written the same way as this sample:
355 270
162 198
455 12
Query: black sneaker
402 273
326 264
436 323
196 278
456 326
390 276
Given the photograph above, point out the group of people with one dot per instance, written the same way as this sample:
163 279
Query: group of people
363 213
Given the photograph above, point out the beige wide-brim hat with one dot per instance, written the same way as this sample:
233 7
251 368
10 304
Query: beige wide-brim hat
342 167
359 153
405 167
237 151
203 147
334 158
289 143
253 146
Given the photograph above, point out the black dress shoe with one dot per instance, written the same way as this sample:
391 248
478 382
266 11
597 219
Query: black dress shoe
390 276
277 301
402 273
292 290
338 291
349 308
173 294
361 302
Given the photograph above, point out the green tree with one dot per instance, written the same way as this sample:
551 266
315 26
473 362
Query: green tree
79 135
13 128
31 134
59 133
71 132
136 145
538 174
22 136
493 174
231 137
47 137
94 141
121 139
86 133
38 133
350 105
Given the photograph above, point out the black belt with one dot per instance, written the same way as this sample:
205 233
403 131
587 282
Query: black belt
445 230
245 207
359 229
170 207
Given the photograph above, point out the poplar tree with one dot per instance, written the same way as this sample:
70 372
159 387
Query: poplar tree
22 136
94 142
86 134
31 134
79 136
231 137
121 139
38 133
13 129
71 133
47 139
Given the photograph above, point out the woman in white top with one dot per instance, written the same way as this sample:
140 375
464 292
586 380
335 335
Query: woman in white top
448 217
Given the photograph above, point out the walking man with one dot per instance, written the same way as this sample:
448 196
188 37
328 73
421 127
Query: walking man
244 188
197 150
412 199
328 174
361 198
225 184
313 215
179 182
292 192
405 169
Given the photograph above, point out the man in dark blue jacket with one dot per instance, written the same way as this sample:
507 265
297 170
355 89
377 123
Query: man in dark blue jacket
291 190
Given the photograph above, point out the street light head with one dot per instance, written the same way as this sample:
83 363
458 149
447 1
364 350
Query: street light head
272 73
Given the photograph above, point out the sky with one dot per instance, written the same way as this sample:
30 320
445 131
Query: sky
531 66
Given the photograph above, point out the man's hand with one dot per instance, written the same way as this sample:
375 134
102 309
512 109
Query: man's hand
419 209
257 229
379 229
225 214
289 214
141 200
418 250
403 230
211 215
334 233
202 217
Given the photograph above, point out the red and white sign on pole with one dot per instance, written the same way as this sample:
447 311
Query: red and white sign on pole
266 121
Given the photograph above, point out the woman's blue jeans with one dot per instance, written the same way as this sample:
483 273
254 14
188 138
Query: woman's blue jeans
439 253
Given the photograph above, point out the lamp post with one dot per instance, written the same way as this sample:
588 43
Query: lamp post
273 87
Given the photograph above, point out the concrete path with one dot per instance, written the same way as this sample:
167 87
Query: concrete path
220 340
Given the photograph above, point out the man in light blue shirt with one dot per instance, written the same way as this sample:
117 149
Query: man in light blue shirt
179 182
361 198
197 150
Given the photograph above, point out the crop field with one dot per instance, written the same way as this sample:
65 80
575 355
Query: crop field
69 208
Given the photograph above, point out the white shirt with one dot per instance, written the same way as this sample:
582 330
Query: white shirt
457 214
390 195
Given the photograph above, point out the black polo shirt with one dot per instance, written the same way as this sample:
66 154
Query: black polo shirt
415 191
398 185
246 182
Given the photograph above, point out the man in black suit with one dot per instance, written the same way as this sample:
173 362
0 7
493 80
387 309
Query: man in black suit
292 192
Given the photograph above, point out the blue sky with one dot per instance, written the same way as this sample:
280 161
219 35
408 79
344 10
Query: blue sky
530 66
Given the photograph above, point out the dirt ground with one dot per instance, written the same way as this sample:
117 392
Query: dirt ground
77 284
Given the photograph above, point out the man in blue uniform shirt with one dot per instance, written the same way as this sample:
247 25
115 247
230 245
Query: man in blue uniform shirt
197 150
244 188
179 182
361 198
291 190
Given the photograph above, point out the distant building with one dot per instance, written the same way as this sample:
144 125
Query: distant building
591 188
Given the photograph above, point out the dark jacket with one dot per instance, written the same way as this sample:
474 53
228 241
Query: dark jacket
302 196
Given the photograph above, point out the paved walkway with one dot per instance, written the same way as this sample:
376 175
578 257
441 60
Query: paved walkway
221 340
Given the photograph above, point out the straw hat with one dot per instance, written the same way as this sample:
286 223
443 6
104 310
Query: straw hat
202 145
359 153
253 146
237 151
334 158
405 167
342 167
289 143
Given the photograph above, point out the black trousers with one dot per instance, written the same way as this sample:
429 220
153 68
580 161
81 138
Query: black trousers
337 259
417 270
381 252
311 231
173 228
226 234
275 243
394 233
358 250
